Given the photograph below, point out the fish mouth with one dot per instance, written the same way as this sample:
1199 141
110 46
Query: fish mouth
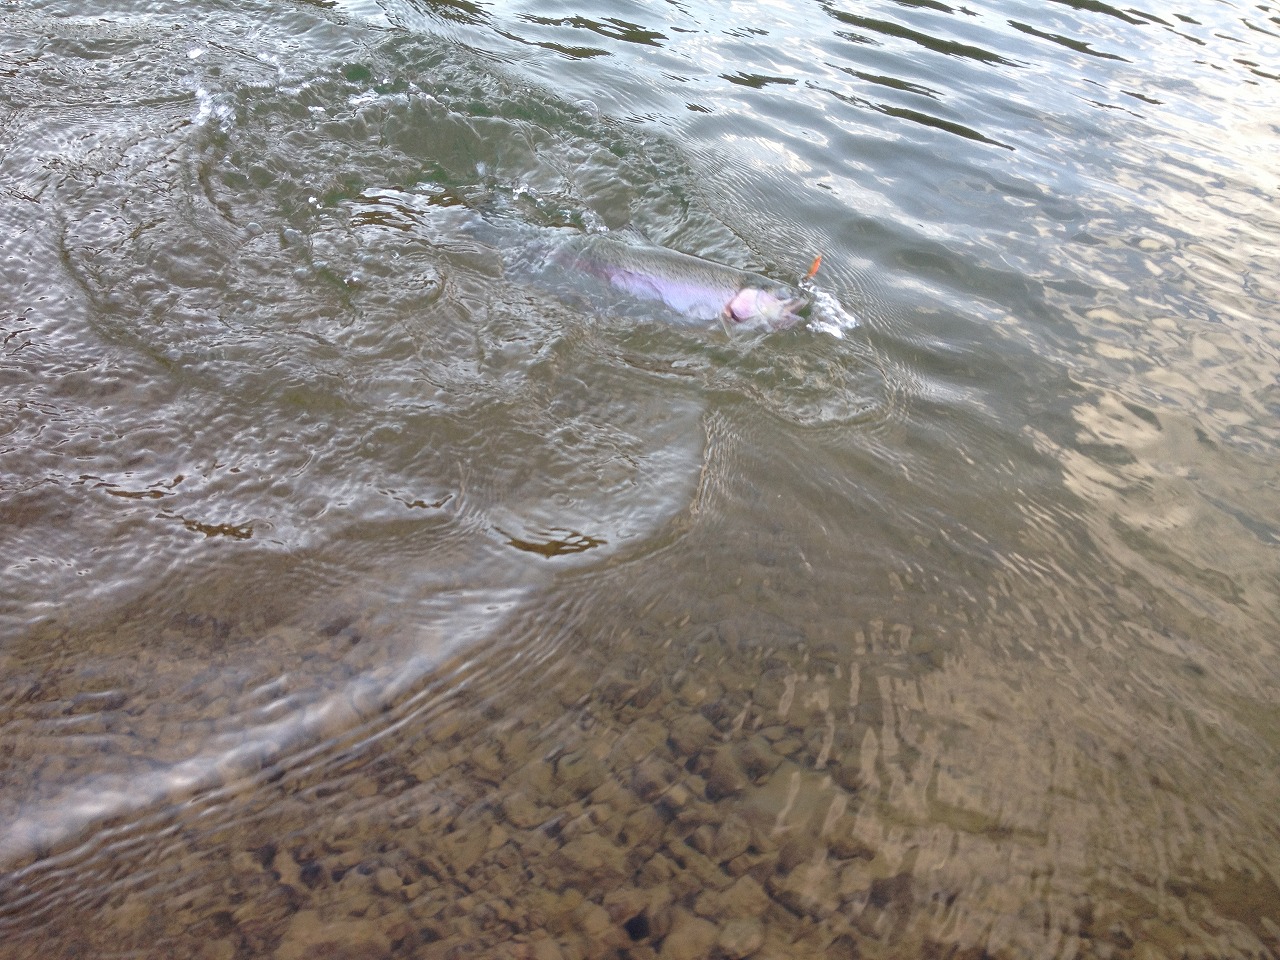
792 312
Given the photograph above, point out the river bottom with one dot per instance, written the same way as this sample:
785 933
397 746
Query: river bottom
670 790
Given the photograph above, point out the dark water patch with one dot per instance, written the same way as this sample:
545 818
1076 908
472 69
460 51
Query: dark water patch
1077 45
457 11
568 51
1094 6
949 126
936 44
895 83
757 81
609 27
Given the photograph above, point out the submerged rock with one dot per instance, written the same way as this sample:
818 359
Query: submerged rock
690 938
740 938
307 937
724 775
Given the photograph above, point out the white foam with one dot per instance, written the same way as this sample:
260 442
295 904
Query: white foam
210 106
830 317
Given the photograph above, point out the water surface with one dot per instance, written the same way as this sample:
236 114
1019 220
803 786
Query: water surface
367 589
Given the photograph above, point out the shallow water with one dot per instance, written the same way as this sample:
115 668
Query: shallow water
368 591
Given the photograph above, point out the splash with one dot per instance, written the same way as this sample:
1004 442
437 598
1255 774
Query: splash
829 316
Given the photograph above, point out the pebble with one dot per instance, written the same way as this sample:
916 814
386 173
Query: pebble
652 778
387 881
741 938
592 857
692 733
307 936
810 890
845 845
642 827
657 869
757 758
745 898
732 838
724 775
702 872
799 847
597 928
580 773
690 938
847 776
521 812
463 849
287 868
546 950
623 904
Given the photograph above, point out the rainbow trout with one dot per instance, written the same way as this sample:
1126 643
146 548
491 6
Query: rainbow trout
692 287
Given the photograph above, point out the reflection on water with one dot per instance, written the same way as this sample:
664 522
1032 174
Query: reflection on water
367 594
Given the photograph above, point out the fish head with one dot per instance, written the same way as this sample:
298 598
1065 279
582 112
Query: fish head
755 307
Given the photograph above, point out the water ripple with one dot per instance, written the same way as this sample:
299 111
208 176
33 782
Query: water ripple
353 564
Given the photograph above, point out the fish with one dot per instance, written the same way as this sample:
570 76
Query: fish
694 288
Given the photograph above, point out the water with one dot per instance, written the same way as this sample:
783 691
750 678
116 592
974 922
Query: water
368 591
